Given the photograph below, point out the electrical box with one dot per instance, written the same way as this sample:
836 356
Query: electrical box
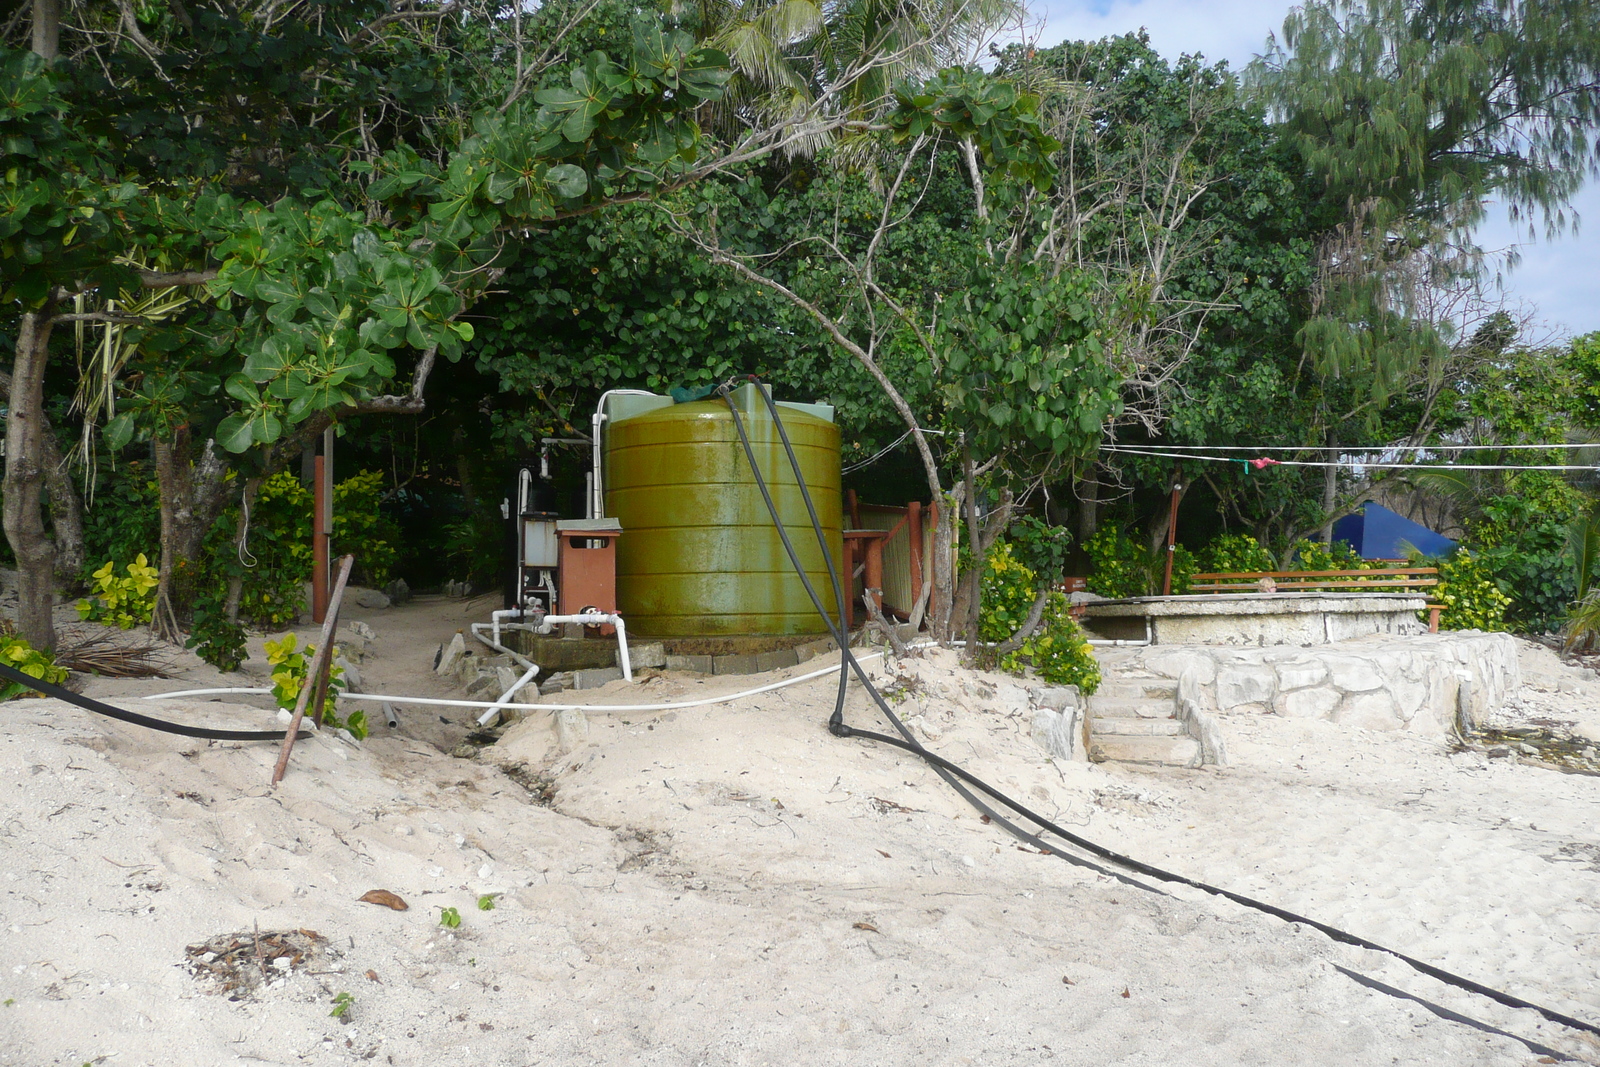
588 566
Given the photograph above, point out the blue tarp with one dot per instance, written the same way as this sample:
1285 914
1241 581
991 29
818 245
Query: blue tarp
1375 532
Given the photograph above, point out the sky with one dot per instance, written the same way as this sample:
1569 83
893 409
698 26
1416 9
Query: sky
1559 280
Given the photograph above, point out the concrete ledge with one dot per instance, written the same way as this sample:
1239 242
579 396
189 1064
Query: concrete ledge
1257 618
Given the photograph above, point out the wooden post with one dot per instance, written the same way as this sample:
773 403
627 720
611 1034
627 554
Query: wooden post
934 605
316 682
1172 539
319 543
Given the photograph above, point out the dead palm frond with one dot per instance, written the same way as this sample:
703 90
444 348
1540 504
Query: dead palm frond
104 653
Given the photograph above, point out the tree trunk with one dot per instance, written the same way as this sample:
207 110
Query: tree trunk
1330 487
247 500
24 480
66 506
1088 504
47 28
192 496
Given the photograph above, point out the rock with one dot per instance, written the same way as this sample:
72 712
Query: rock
465 750
1299 674
362 630
1529 750
1499 752
595 677
1056 697
1057 732
398 591
1370 711
572 729
1588 731
1241 683
484 681
369 598
352 674
1307 703
450 654
1355 675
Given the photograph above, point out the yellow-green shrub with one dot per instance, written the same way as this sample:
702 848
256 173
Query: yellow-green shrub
123 602
1058 651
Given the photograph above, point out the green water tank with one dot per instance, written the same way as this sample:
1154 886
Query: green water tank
699 555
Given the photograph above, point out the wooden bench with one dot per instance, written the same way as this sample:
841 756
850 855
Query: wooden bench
1398 579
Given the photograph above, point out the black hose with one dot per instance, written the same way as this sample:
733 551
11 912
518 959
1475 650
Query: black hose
954 774
11 674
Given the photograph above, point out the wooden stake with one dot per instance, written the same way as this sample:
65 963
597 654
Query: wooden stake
317 675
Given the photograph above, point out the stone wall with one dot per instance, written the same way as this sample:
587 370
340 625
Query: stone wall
1420 682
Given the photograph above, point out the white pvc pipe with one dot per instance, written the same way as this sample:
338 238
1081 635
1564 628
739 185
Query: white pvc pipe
594 618
597 423
494 711
438 701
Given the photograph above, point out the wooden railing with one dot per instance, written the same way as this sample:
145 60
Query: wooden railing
1378 579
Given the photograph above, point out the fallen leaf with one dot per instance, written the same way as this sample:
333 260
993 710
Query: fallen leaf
867 926
985 819
1125 992
884 854
372 976
1067 981
384 897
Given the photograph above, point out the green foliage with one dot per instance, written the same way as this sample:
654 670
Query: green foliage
1235 552
290 665
123 516
342 1005
1057 650
1040 546
486 901
213 636
280 545
1335 556
360 528
1471 598
1121 567
1583 622
449 918
16 653
1522 537
123 602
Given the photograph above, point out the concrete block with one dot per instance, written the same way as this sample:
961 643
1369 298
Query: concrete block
737 664
771 661
812 649
595 677
648 654
1180 663
1245 683
1315 703
695 664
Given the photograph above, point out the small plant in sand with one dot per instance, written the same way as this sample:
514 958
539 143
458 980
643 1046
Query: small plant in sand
290 664
449 918
16 653
342 1005
486 902
123 602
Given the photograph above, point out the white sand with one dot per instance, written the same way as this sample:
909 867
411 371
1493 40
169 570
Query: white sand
732 885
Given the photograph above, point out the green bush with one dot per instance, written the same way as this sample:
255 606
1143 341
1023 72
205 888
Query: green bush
1471 598
123 602
1057 650
15 652
1235 552
1122 567
1521 538
290 665
361 529
1338 556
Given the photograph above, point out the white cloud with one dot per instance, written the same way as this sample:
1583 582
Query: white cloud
1560 278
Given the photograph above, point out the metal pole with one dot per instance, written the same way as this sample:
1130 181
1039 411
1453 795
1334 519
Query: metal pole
1172 538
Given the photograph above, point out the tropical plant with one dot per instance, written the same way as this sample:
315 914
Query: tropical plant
1235 552
290 664
15 652
123 602
1122 567
1471 598
1057 649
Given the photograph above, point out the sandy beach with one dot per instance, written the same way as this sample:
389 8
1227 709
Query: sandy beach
732 885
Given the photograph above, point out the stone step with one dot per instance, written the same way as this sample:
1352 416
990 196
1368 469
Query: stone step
1159 709
1128 726
1168 751
1127 689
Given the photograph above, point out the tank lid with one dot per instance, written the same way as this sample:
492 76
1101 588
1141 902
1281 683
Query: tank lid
594 526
